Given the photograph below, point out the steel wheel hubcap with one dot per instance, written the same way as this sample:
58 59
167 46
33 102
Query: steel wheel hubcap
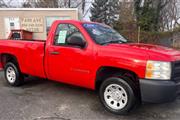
115 96
11 74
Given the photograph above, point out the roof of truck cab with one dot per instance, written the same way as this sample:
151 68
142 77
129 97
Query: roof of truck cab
78 21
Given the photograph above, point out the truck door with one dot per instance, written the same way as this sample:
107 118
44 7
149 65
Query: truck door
67 63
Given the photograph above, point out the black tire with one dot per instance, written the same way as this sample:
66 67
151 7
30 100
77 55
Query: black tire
125 87
17 77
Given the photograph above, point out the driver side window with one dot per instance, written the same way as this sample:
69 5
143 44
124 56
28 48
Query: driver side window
65 32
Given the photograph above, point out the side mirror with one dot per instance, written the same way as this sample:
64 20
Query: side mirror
76 41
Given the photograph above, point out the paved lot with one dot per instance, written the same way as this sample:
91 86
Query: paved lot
46 100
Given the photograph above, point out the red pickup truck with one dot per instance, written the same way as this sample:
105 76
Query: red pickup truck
95 56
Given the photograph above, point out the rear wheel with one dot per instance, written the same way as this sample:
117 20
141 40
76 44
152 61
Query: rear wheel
12 74
117 95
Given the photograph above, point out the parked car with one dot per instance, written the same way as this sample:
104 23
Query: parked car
95 56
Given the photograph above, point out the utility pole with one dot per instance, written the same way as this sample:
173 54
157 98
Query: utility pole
69 3
83 5
139 33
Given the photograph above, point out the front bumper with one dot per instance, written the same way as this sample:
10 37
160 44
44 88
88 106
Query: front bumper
158 91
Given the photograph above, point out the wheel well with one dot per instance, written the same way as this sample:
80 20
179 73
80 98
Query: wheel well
5 58
105 72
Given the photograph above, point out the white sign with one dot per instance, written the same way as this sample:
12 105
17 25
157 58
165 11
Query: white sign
33 24
62 36
11 23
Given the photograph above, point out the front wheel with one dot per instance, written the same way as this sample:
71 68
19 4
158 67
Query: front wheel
117 95
12 74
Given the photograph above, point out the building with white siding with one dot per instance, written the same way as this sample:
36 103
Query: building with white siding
36 20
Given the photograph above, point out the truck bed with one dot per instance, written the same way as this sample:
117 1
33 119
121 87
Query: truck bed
26 40
29 53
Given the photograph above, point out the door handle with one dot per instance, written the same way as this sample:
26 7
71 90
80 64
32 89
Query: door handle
54 53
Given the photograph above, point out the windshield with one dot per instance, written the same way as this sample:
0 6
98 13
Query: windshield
103 34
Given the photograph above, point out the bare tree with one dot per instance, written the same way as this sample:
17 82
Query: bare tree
27 4
55 4
43 3
169 16
4 4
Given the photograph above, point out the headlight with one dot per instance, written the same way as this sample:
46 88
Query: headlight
158 70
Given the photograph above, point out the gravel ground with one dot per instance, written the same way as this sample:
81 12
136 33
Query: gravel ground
40 99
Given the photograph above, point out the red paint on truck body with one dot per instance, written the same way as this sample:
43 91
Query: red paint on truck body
78 66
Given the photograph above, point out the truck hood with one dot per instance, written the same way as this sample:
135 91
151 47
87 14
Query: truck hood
155 52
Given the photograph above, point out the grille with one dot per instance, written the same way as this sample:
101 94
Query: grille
176 71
